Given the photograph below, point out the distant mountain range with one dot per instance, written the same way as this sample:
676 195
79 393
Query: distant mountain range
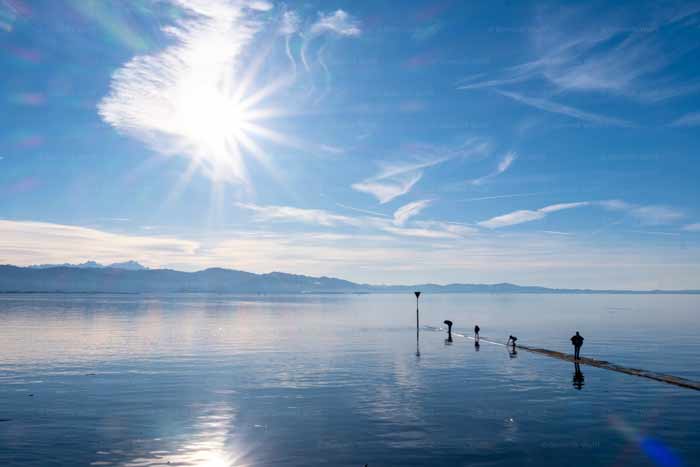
131 277
126 265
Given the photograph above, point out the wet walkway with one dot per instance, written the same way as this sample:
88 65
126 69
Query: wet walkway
670 379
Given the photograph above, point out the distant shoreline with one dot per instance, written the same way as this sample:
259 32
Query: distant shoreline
591 292
113 280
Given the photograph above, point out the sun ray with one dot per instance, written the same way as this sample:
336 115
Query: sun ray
271 135
269 113
252 72
182 181
272 88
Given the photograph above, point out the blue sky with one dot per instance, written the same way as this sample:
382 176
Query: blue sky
447 141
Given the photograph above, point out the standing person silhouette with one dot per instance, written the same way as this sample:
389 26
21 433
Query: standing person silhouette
511 340
577 341
476 332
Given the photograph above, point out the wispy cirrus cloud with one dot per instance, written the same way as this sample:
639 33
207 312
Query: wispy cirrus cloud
363 211
395 226
563 206
503 165
396 178
420 232
407 211
339 22
386 187
512 218
512 195
645 214
522 216
581 50
688 120
657 215
289 26
692 227
298 215
457 230
553 107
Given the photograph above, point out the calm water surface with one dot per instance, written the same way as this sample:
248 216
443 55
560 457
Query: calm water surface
216 381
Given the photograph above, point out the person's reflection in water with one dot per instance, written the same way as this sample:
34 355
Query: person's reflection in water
476 345
449 331
578 376
512 353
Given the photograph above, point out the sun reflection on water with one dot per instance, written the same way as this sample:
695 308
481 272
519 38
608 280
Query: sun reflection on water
211 444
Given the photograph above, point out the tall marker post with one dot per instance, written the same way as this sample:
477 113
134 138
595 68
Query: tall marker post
417 293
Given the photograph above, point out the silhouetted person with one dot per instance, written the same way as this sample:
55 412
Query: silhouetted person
577 341
449 329
578 376
476 332
511 340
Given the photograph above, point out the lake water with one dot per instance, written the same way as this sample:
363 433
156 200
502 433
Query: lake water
216 381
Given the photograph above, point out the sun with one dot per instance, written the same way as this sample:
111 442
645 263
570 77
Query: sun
216 125
209 117
205 97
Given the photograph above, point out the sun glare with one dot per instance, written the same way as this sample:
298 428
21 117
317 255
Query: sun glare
202 97
208 116
210 121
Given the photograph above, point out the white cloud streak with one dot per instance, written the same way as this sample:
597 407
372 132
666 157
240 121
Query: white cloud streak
395 226
688 120
522 216
657 215
513 195
503 165
512 218
386 189
288 28
582 50
553 107
563 206
396 178
407 211
692 227
298 215
339 22
647 215
363 211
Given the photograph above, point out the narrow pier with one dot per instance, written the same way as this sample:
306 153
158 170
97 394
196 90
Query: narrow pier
664 378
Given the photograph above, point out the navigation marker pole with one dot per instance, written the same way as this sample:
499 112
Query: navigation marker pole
417 325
